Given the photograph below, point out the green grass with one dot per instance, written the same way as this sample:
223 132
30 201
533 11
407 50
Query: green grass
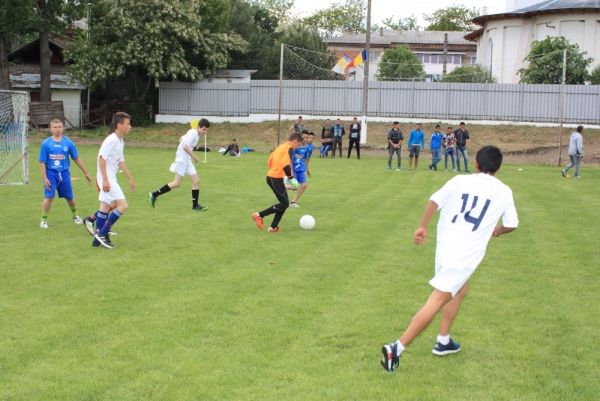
203 305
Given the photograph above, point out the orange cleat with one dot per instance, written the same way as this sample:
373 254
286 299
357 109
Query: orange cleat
274 230
258 220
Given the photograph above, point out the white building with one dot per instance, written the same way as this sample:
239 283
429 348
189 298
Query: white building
229 77
504 40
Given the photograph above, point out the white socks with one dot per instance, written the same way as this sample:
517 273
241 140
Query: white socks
444 340
400 347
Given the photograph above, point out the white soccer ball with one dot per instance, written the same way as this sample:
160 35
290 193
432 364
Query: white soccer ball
307 222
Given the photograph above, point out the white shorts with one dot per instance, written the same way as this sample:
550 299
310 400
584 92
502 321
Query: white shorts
450 280
114 194
182 169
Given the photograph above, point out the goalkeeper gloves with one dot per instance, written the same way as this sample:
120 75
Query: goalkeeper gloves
294 183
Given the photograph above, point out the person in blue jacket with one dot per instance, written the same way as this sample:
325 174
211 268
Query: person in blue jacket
435 147
416 141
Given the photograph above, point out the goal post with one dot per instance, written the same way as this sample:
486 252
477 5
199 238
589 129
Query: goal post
14 161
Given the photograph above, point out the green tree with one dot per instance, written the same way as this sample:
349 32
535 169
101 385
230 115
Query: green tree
475 74
546 63
452 18
278 8
339 17
595 76
399 64
159 40
406 24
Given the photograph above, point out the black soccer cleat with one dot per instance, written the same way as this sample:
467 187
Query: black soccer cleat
199 207
104 240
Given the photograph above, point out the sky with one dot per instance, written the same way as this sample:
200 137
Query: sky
382 9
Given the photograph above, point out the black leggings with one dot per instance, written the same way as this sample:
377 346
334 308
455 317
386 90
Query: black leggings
352 142
280 192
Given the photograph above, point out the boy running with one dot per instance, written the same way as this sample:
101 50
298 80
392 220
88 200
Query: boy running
110 160
300 158
470 206
279 167
54 165
183 165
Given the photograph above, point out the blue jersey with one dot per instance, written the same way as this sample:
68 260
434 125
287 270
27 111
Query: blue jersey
299 158
56 154
309 151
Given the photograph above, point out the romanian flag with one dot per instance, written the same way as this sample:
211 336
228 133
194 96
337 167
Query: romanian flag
342 64
362 56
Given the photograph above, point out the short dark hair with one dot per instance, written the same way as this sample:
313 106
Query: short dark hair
299 116
396 122
118 118
449 128
418 123
437 126
489 159
580 128
337 119
295 137
313 134
203 123
233 140
355 118
462 123
304 131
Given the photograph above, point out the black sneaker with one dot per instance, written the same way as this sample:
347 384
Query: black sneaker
450 348
430 167
104 240
199 207
95 243
152 199
390 358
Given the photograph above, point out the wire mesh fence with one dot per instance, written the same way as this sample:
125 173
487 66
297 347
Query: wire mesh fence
14 168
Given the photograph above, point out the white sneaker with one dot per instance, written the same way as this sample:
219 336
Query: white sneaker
77 220
446 170
44 224
294 204
454 171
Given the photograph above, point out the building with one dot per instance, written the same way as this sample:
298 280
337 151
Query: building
25 76
229 76
504 40
428 46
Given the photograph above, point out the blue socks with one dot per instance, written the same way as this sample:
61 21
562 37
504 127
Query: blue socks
112 219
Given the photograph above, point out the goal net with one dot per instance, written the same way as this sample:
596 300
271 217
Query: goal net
14 168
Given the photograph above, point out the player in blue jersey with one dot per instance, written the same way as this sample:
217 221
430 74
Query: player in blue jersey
300 161
54 166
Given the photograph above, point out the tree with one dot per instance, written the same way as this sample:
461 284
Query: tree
406 24
475 74
595 76
338 17
278 8
399 64
546 63
161 40
452 18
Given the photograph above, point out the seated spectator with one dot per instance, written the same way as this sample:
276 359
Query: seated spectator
326 143
233 149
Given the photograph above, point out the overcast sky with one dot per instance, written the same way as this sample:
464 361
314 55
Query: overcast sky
382 9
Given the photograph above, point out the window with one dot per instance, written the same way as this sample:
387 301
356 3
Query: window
209 80
435 59
371 56
229 81
426 58
419 57
473 60
457 59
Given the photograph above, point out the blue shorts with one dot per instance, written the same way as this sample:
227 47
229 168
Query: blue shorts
61 182
300 176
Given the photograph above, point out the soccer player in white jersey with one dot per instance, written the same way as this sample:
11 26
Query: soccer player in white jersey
183 165
471 207
110 160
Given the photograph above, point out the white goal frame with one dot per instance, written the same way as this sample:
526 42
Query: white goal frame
14 152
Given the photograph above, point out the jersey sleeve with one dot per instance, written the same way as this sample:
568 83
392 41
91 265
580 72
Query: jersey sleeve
73 150
441 197
510 217
43 153
107 148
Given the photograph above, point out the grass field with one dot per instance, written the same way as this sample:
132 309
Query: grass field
203 305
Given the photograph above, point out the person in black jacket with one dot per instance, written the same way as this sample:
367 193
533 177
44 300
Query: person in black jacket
354 137
233 149
462 135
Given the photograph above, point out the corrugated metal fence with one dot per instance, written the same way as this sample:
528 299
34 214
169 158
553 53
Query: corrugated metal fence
507 102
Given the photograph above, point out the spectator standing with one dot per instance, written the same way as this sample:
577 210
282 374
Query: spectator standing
462 135
395 139
448 144
575 152
326 127
297 127
354 138
338 131
416 141
326 142
435 146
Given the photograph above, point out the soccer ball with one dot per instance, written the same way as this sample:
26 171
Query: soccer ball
307 222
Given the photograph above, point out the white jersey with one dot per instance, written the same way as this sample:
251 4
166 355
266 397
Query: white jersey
191 140
111 151
471 208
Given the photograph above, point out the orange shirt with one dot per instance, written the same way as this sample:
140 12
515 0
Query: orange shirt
278 160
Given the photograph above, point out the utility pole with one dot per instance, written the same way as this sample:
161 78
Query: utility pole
562 106
280 91
89 26
445 53
363 136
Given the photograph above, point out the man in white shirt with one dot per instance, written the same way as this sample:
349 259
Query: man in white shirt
183 165
575 152
471 206
110 160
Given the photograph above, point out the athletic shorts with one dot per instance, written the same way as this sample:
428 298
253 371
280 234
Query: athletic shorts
182 169
300 176
450 280
114 194
414 150
60 182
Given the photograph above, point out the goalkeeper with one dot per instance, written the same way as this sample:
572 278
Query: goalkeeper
279 167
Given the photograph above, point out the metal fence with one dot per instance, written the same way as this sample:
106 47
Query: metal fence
506 102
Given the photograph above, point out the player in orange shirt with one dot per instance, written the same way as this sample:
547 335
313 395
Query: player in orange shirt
279 166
